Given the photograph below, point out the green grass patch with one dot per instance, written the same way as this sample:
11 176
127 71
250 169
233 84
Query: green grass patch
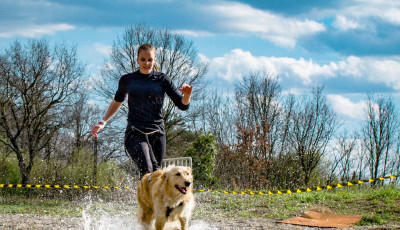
380 205
19 205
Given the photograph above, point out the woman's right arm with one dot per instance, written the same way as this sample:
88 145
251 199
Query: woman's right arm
112 109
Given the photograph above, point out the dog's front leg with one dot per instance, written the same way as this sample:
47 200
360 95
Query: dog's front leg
184 223
160 222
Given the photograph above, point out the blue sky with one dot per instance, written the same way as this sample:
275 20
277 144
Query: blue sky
350 46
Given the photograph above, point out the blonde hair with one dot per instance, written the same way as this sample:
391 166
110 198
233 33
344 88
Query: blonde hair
149 47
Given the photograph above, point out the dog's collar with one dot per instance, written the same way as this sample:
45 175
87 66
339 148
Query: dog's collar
149 178
169 210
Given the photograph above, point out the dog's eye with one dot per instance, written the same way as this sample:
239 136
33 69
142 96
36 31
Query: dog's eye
178 174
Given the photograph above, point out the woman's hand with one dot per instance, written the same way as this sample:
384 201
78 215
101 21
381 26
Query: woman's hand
186 89
96 128
187 92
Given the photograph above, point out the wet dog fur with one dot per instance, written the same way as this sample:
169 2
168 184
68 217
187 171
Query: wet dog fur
166 196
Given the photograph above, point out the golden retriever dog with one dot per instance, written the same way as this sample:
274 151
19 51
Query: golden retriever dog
166 195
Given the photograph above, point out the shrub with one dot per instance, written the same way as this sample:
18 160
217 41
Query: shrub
203 152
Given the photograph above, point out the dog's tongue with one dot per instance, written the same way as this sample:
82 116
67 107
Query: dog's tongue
182 189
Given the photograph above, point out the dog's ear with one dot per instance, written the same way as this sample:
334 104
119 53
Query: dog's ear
189 169
164 175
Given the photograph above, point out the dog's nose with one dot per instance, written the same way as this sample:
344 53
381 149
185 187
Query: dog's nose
188 183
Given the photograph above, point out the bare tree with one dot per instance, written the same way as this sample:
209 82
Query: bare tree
253 119
313 125
219 118
176 57
379 132
286 117
342 163
257 108
35 82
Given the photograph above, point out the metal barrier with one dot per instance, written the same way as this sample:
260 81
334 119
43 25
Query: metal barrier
180 161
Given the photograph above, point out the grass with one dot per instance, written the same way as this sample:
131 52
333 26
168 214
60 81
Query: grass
13 205
378 206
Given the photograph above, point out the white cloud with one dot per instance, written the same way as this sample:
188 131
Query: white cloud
34 30
237 63
357 14
343 23
392 15
243 19
344 106
103 49
194 33
373 69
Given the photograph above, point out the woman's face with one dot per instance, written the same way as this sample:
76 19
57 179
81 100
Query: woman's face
146 60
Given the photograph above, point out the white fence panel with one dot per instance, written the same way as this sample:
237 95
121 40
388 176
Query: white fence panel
180 161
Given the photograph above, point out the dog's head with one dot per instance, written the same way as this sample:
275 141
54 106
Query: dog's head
180 178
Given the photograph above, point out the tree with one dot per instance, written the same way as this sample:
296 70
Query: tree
218 117
342 163
379 132
313 125
258 109
35 82
176 57
247 128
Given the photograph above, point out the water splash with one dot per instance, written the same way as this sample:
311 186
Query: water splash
110 216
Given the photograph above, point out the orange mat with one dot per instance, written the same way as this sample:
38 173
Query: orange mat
327 220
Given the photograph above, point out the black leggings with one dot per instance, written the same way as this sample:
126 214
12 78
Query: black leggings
138 148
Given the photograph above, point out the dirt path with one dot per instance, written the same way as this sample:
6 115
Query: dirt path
126 222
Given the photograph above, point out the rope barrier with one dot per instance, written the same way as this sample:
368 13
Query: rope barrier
60 186
248 191
300 190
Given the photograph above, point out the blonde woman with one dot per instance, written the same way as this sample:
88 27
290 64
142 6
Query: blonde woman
146 88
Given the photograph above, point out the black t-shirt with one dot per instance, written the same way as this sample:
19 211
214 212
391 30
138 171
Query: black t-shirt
146 95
